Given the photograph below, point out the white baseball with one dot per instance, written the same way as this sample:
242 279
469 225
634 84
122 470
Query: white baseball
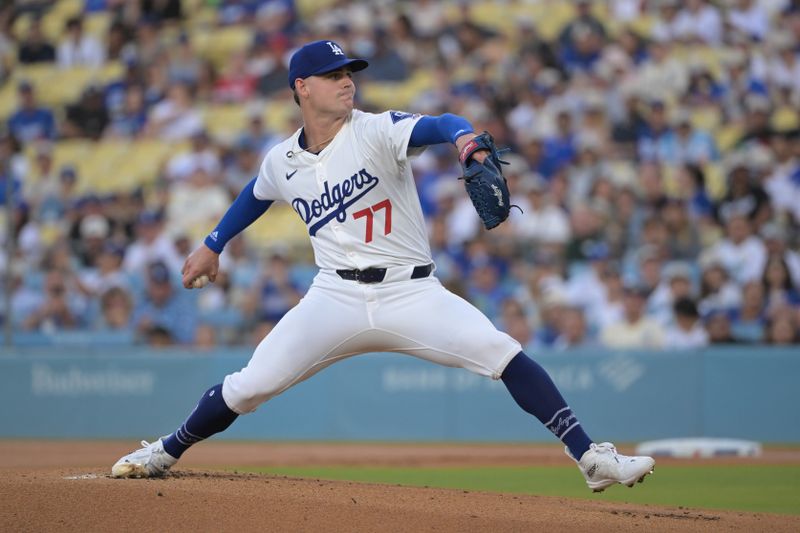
200 282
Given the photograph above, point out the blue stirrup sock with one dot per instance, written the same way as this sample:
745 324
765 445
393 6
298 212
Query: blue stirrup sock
212 415
534 391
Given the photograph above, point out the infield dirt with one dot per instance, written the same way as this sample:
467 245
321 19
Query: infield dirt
64 486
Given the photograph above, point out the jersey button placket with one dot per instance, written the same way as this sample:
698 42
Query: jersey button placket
322 176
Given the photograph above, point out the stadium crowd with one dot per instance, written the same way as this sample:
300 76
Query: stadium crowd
655 158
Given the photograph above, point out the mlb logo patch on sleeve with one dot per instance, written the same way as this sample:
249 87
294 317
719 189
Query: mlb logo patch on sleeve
397 116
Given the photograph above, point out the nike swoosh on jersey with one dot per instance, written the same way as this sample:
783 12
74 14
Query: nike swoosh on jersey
290 174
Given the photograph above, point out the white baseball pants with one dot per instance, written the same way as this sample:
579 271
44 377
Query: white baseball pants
338 319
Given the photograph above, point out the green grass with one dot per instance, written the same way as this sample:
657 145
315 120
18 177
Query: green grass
768 488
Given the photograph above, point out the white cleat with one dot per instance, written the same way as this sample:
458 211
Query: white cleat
602 467
149 461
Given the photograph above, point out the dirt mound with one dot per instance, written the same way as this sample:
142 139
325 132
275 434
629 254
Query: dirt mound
64 486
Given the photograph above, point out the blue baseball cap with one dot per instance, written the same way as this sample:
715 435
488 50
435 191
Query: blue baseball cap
319 57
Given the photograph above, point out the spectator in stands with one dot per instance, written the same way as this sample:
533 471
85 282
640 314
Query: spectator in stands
748 322
594 120
750 18
388 64
175 118
779 289
485 287
93 230
744 197
79 49
119 45
573 331
106 271
654 244
157 336
661 74
718 292
205 337
116 310
782 330
741 253
235 83
687 144
42 178
629 122
635 330
676 284
581 52
165 312
587 225
267 63
704 90
56 310
683 237
585 287
554 301
656 137
718 326
278 292
7 48
780 183
244 163
35 48
151 245
757 128
147 45
513 321
129 121
699 22
203 155
184 65
687 331
583 19
541 222
162 11
88 117
775 239
692 186
783 68
31 122
200 189
54 205
664 26
257 134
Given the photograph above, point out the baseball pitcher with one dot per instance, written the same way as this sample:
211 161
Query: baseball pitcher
347 175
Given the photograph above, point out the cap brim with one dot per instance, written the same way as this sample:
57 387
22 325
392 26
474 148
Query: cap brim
354 64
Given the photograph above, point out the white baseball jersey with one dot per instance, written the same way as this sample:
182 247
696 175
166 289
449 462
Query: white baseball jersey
359 202
357 196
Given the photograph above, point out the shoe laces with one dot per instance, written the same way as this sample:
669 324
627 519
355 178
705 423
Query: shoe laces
607 447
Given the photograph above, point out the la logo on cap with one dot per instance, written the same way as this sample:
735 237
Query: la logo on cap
335 49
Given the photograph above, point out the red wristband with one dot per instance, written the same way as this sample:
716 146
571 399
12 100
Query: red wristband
467 151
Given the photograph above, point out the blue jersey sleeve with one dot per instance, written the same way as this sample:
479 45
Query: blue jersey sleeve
436 130
243 212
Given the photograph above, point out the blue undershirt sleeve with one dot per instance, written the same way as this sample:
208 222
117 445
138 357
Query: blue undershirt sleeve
242 212
436 130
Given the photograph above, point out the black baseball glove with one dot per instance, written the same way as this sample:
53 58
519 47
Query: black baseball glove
485 183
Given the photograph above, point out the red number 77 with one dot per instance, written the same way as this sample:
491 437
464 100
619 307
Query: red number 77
368 212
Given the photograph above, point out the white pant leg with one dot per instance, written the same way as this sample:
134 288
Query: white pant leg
422 318
327 325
